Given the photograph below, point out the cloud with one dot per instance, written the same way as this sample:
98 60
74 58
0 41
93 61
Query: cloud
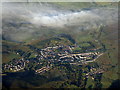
22 20
51 16
62 19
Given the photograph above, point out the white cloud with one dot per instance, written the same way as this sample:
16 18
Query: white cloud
61 19
26 19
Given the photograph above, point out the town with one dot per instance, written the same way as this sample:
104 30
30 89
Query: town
52 55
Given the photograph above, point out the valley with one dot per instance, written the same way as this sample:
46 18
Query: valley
59 45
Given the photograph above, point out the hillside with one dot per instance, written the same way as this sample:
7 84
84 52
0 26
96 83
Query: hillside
60 45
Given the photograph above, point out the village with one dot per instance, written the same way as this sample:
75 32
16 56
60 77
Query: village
52 55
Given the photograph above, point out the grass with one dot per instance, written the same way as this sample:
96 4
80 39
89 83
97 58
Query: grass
82 5
8 57
74 5
53 84
8 49
83 37
110 4
77 48
90 82
52 42
32 56
109 39
84 44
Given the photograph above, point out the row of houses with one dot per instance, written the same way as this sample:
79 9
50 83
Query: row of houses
16 65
